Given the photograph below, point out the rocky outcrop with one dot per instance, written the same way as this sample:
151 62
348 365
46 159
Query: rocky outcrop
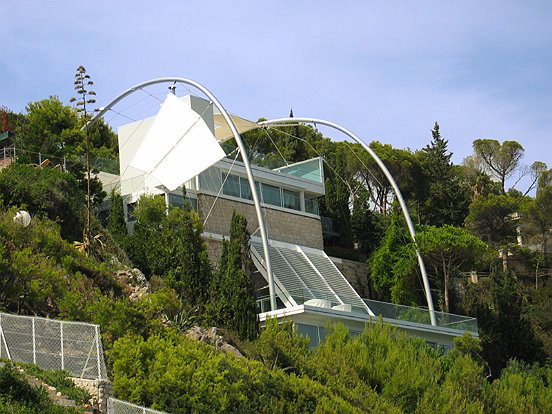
212 337
135 283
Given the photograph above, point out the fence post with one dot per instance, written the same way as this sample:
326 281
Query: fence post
61 335
64 164
4 338
98 352
34 342
39 158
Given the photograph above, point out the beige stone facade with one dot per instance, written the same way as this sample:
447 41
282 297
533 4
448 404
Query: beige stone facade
281 225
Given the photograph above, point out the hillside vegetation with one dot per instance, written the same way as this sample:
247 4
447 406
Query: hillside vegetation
467 222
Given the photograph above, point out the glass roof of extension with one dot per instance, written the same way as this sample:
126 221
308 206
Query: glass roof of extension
309 170
306 276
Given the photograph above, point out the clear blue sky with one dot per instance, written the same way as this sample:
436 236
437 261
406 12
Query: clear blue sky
386 70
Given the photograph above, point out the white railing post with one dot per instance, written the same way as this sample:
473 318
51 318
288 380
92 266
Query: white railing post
4 339
98 352
34 342
61 337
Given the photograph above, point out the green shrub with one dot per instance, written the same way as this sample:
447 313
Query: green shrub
60 380
177 374
42 274
169 244
45 192
17 396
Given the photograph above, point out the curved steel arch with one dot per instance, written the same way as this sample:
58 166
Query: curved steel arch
391 180
245 158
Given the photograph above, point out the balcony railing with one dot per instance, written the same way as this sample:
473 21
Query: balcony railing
390 311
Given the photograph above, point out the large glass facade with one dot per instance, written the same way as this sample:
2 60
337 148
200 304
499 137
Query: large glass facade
236 186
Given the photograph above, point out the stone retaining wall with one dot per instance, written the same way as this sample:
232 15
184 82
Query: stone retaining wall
281 225
100 390
356 273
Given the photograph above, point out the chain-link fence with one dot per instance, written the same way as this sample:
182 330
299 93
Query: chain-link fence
115 406
51 344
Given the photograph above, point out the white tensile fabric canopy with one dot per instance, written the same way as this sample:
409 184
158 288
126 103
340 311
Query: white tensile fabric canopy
178 146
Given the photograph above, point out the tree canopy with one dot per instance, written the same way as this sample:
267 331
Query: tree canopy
501 160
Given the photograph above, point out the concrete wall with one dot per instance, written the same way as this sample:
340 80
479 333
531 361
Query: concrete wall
282 226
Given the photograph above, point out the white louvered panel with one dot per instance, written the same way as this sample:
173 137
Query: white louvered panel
335 279
307 274
283 272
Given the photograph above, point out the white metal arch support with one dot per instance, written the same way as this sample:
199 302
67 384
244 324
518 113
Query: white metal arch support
391 180
245 158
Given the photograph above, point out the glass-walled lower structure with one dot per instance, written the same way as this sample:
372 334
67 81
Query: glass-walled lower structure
311 291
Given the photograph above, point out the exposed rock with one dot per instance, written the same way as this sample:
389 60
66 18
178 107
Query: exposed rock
135 283
229 349
212 337
139 278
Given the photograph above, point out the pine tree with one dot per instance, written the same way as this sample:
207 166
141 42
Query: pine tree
234 293
447 201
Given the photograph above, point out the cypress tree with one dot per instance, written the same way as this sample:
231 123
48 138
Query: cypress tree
116 219
234 295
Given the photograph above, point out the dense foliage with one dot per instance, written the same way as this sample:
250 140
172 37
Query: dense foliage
45 191
466 222
169 244
380 371
232 303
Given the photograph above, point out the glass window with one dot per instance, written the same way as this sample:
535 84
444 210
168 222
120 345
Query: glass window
309 331
191 185
444 349
176 200
231 186
291 199
271 195
321 333
193 202
246 190
311 205
210 180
